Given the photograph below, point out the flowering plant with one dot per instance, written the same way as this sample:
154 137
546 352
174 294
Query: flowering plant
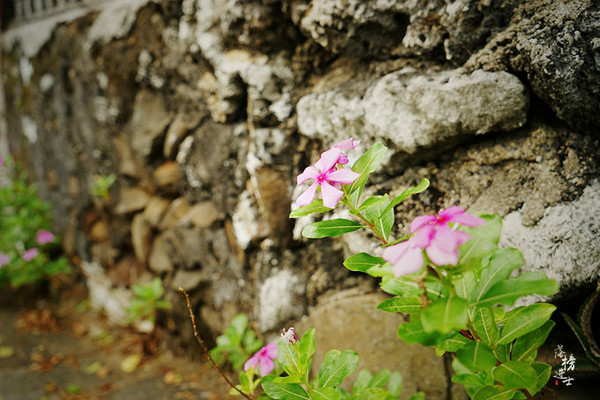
450 276
27 247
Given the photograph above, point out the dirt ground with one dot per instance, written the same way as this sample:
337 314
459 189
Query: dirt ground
56 348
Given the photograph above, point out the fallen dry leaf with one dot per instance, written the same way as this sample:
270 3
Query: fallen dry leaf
42 321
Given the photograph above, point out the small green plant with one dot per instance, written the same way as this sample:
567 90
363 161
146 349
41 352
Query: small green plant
236 344
27 248
102 184
146 301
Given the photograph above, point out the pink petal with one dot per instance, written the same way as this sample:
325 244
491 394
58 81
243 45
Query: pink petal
447 239
394 253
3 259
308 195
451 212
251 362
266 366
345 176
30 254
423 236
411 261
421 221
468 220
309 173
331 195
328 159
440 257
43 236
271 350
347 144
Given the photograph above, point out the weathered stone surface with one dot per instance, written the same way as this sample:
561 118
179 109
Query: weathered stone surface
565 243
188 280
141 237
246 222
418 111
100 231
103 296
131 199
160 259
280 299
175 212
155 210
148 122
168 177
349 320
203 214
179 128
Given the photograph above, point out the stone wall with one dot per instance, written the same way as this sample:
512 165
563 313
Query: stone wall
206 110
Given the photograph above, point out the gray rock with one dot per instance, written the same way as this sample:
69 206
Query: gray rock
418 111
279 300
565 243
148 122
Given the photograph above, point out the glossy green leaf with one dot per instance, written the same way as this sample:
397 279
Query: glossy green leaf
527 345
453 343
543 372
283 391
464 284
365 165
373 393
306 348
336 367
330 228
468 379
315 207
422 186
525 320
485 324
418 396
413 332
288 357
484 240
515 375
401 304
382 220
371 201
362 262
445 315
395 384
508 291
490 392
476 356
325 393
362 381
499 267
502 352
380 379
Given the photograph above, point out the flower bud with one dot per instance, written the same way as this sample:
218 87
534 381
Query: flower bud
289 336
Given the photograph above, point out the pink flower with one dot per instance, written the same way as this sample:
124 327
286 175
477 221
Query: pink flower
31 254
289 336
263 359
3 259
43 236
347 144
434 234
327 177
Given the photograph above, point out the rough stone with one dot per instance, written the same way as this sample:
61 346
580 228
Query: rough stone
349 320
141 237
565 243
127 163
148 122
155 210
103 296
246 223
188 280
418 111
175 212
168 177
131 199
203 214
279 300
100 231
160 259
179 128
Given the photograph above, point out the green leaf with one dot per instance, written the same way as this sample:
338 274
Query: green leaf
502 352
325 393
373 393
476 356
238 327
485 325
395 385
452 344
380 379
401 304
366 164
543 372
362 381
382 220
484 239
283 391
315 207
288 357
306 348
464 283
515 375
468 379
413 332
508 291
445 315
527 345
422 186
336 367
500 266
525 320
418 396
490 392
330 228
361 262
371 201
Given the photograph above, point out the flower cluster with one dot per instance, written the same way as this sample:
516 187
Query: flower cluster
328 176
42 237
434 235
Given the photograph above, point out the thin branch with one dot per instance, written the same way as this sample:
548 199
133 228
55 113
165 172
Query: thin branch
204 348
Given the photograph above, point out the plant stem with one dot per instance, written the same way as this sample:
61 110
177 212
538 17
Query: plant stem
203 345
363 219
